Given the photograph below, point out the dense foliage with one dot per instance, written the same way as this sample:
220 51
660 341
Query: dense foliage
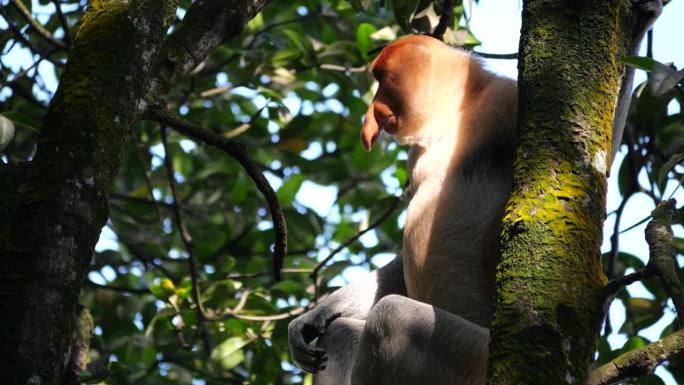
292 88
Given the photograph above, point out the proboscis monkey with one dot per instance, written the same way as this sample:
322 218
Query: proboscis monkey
424 318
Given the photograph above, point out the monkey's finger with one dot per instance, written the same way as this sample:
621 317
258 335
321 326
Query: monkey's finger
309 359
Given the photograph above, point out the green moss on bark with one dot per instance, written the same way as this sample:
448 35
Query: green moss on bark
62 200
549 280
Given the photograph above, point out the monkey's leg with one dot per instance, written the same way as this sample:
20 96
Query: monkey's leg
340 341
406 342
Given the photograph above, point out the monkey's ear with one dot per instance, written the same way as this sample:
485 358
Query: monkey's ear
370 130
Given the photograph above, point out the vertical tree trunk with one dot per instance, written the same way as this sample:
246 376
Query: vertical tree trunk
58 203
548 304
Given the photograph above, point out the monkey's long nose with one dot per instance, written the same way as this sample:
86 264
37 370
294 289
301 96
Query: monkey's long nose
370 130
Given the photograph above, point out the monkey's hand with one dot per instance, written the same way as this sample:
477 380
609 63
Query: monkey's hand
302 332
352 301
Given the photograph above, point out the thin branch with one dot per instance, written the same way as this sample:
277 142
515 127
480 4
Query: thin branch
239 152
486 55
145 258
614 285
615 237
42 32
140 219
180 225
345 69
19 36
119 289
641 222
143 169
187 242
269 27
63 21
638 362
186 208
237 276
345 244
274 317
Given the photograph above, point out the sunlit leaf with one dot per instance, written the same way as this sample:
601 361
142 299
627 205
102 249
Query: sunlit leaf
228 354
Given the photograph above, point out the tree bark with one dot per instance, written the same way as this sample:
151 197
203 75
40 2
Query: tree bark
52 209
548 305
61 198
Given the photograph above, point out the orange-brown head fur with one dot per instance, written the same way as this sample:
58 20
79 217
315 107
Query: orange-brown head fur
415 74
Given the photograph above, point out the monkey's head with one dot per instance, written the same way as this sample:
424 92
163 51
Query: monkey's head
413 87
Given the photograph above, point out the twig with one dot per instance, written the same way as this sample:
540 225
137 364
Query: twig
44 33
338 249
24 72
141 163
616 284
63 21
345 69
274 317
128 290
187 242
237 276
495 55
239 152
445 19
140 219
638 362
635 225
269 27
19 36
615 237
123 197
180 224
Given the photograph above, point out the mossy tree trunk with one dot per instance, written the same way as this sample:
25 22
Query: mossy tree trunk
60 199
52 208
549 303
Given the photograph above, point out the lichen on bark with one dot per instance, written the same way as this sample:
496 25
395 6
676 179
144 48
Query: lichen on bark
549 280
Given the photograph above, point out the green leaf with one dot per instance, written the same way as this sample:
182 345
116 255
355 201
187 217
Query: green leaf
21 120
401 173
284 57
363 38
162 288
664 78
269 94
634 342
286 193
301 42
669 165
6 132
625 177
644 312
229 354
639 62
288 288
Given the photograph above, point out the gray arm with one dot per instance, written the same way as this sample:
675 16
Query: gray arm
352 301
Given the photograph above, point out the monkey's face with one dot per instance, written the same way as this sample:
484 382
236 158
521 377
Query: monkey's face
403 101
